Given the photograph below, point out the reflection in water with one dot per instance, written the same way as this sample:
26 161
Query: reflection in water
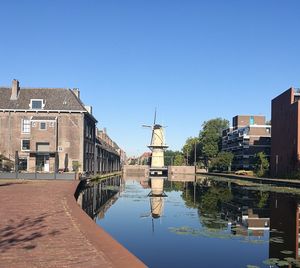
284 234
225 223
157 197
97 197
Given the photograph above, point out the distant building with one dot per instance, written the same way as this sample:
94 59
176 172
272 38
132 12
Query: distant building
285 152
49 128
247 136
145 158
107 154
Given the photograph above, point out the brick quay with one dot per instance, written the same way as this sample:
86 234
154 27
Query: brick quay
41 225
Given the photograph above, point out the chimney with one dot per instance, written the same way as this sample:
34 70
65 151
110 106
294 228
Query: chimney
89 109
15 90
76 92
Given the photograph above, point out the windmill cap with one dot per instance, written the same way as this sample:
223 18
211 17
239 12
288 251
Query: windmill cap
157 126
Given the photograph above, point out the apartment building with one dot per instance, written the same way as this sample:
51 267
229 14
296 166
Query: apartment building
48 129
247 136
285 152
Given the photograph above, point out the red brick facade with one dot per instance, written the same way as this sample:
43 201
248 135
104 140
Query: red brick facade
285 150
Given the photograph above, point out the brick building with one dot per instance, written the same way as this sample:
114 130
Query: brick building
49 128
285 152
248 136
108 157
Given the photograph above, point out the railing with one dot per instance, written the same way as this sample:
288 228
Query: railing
37 176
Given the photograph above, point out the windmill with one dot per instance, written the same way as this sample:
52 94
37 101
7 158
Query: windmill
158 147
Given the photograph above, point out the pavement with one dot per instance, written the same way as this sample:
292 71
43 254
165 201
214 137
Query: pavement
41 225
274 181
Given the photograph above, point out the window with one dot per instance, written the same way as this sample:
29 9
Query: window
43 146
43 125
25 146
25 126
36 104
23 164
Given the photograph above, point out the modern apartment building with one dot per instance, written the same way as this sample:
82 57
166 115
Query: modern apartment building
49 129
247 136
285 152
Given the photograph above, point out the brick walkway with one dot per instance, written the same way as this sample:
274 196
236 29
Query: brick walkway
42 226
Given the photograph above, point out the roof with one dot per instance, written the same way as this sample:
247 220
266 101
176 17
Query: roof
60 99
105 146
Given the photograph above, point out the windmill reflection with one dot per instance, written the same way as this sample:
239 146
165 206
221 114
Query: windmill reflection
157 196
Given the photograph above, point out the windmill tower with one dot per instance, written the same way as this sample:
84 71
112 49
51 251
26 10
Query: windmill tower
158 147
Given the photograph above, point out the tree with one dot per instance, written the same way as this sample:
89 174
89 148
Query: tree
222 161
211 137
189 150
179 160
261 164
170 156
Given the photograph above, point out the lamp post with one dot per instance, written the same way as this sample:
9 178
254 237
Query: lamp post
195 156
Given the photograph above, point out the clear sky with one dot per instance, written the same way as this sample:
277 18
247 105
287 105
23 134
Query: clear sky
194 60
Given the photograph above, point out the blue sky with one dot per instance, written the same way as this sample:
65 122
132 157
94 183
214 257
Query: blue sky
194 60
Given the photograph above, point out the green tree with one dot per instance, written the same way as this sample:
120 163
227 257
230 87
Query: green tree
189 150
261 164
211 138
210 206
179 160
222 161
170 157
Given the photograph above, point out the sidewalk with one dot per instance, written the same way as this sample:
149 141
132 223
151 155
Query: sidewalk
42 226
278 182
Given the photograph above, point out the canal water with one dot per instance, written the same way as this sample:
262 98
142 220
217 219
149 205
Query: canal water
198 222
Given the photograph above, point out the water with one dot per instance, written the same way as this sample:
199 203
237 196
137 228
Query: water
207 223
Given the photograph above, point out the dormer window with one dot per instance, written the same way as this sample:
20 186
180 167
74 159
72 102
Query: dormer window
36 104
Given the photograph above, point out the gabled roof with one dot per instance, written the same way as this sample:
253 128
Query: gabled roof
58 99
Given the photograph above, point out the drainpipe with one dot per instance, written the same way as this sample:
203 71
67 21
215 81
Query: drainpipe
56 148
95 158
9 127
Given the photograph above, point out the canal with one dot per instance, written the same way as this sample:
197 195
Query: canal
198 222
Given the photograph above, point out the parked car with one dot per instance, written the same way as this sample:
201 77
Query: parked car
244 172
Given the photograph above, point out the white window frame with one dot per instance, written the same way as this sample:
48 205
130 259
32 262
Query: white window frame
42 104
28 125
41 126
25 150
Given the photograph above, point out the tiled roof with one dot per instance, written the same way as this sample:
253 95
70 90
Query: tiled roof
54 98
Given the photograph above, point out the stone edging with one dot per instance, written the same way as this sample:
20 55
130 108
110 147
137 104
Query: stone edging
116 254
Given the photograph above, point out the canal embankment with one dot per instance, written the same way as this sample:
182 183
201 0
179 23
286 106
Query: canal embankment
41 225
273 181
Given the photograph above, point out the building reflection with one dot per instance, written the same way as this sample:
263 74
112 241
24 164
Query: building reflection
284 234
138 177
247 212
95 198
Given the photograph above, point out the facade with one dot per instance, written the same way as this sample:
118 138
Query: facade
248 136
108 158
285 152
47 130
